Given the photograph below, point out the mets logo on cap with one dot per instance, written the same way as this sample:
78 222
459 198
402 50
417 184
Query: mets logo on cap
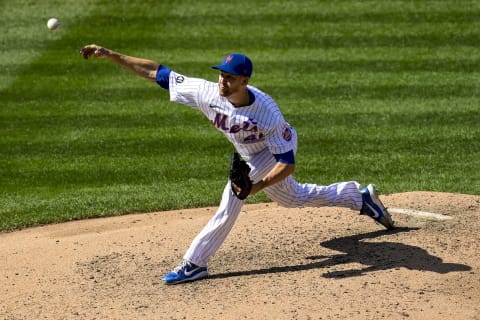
237 64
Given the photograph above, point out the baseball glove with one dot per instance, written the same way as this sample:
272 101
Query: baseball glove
239 180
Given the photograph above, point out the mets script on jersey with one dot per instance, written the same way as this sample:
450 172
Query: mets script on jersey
250 129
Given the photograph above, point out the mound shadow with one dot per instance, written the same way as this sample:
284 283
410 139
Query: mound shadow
374 256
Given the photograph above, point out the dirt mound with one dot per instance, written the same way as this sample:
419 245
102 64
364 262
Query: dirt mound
310 263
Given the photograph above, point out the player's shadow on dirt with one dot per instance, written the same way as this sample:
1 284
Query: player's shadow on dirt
374 255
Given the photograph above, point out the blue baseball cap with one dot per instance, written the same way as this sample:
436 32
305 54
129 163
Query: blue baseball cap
237 64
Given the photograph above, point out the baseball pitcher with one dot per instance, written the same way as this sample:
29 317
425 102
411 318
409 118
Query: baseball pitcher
265 145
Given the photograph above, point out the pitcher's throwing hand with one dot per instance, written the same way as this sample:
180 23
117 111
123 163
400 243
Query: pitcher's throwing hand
93 50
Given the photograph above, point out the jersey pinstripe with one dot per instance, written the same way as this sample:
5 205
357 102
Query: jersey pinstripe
250 129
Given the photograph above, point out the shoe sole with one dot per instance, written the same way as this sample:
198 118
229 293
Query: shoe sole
386 220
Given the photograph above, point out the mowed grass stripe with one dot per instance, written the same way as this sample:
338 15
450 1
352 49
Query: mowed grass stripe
380 92
25 34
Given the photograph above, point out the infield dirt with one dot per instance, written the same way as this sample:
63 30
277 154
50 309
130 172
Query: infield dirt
277 263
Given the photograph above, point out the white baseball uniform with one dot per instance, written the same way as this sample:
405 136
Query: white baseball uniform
258 132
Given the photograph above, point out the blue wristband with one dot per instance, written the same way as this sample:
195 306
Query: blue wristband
163 76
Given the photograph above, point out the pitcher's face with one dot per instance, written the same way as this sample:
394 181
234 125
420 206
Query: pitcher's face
229 84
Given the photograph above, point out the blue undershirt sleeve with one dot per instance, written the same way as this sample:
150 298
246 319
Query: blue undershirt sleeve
163 76
287 157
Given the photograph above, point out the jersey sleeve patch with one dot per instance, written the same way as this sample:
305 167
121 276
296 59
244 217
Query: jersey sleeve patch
287 133
282 139
193 92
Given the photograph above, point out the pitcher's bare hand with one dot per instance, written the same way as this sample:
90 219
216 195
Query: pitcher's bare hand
94 50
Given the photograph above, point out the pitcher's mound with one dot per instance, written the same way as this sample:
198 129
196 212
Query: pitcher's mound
277 263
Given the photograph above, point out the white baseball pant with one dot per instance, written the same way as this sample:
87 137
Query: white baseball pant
287 193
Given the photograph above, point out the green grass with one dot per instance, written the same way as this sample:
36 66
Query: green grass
380 91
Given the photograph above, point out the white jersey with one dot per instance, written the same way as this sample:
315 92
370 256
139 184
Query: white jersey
251 129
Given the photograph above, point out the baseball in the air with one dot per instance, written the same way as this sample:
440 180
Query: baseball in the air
53 23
